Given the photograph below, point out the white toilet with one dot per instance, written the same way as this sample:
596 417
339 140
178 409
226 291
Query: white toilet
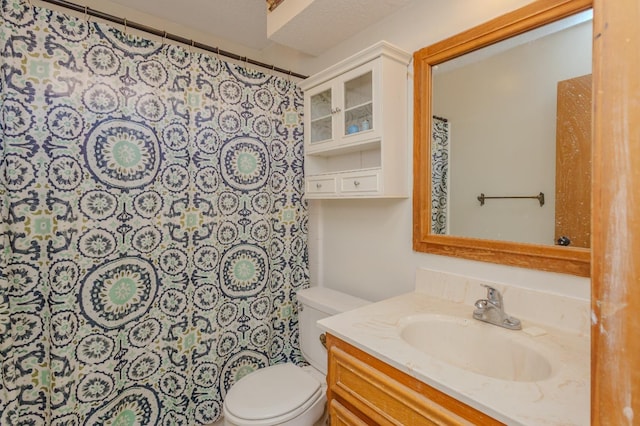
286 394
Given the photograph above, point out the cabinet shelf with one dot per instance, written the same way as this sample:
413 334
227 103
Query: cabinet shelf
344 148
324 117
352 150
325 174
364 104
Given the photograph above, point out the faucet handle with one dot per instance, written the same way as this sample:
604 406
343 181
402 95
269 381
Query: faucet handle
493 295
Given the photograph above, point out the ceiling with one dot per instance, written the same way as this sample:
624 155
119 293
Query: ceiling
240 21
314 25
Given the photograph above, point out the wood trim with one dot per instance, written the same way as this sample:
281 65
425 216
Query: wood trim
615 350
548 258
533 15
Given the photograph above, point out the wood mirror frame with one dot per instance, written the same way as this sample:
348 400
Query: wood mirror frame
568 260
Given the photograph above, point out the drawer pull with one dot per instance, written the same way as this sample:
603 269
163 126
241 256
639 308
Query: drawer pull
356 183
318 185
323 340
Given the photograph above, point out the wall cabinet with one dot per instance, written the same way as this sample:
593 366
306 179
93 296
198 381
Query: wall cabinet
364 390
356 139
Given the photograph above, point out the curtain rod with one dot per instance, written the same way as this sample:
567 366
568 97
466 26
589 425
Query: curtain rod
165 35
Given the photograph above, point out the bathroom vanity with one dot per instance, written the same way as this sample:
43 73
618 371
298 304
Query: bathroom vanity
421 358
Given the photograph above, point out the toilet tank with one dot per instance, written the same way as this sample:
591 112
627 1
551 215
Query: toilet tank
316 303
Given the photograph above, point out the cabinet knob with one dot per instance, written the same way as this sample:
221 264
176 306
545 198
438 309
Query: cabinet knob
356 183
318 185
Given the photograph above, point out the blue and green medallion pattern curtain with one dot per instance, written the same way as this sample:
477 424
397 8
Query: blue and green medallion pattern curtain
153 230
439 175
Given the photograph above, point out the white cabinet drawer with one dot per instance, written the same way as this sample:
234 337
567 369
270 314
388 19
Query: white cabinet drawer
321 186
358 183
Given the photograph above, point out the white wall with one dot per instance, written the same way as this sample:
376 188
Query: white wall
363 247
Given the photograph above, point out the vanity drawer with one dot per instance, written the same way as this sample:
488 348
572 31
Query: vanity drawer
365 182
341 416
379 394
325 185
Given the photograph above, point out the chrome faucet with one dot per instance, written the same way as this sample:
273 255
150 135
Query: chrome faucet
491 310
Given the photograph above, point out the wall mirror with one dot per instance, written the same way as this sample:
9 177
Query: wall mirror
502 140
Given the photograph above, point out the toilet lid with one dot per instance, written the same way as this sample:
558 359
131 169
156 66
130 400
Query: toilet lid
271 392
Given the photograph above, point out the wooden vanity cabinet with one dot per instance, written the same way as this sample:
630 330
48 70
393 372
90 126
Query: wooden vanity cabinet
362 390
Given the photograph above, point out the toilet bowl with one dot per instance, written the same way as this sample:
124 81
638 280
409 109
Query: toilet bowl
287 394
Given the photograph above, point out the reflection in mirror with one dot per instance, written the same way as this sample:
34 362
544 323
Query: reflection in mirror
495 133
502 140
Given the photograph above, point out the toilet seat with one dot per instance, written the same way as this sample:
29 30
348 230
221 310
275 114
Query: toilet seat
278 394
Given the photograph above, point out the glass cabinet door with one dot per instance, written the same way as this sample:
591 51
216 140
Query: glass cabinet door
321 117
358 104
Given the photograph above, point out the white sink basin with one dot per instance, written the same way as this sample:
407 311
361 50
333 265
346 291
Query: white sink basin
477 347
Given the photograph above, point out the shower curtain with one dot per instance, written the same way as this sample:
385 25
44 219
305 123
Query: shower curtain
439 175
153 230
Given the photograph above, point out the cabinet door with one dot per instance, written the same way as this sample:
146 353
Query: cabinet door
359 111
322 114
573 161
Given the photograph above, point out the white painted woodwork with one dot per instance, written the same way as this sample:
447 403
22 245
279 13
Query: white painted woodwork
356 139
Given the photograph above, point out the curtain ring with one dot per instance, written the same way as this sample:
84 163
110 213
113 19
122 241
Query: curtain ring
87 19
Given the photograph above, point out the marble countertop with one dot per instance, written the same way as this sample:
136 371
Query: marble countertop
561 399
